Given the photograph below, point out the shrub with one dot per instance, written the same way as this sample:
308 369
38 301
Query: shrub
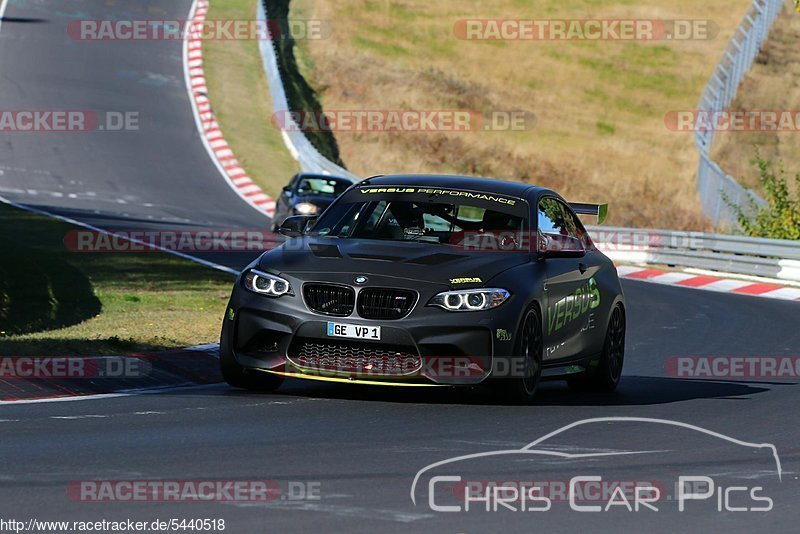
780 218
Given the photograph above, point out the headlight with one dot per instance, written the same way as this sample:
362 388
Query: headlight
266 284
471 299
306 208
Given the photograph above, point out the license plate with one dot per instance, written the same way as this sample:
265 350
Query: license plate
354 331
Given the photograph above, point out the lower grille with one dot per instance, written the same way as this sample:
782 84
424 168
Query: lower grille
330 299
354 358
387 304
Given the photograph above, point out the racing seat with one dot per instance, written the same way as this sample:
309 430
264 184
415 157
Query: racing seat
495 221
504 229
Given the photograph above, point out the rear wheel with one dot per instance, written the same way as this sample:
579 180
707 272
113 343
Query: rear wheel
522 389
607 375
239 377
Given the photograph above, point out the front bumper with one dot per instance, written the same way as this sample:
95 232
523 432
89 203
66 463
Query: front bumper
429 346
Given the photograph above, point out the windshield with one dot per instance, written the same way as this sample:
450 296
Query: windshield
444 217
326 187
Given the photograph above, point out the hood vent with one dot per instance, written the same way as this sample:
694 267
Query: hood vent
436 259
376 257
325 251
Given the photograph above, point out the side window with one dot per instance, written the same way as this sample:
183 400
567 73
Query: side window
575 228
551 217
558 228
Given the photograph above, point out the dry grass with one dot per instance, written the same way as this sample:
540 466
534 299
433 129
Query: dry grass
239 93
773 83
600 106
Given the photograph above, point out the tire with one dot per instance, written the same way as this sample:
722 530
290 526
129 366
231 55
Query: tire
609 372
522 390
237 376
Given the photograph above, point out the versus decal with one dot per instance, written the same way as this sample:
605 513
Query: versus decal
572 307
430 191
466 280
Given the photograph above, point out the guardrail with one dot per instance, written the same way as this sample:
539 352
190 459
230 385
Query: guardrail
299 146
773 258
714 186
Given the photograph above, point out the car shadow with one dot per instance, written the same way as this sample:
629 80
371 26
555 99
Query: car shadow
633 391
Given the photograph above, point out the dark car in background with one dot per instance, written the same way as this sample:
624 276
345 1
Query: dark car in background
308 194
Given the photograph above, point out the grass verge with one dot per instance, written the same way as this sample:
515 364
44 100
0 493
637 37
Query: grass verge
57 302
239 94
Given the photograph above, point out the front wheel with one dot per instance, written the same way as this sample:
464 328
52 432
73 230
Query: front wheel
609 371
239 377
522 389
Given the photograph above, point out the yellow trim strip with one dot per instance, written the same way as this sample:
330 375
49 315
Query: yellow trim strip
349 380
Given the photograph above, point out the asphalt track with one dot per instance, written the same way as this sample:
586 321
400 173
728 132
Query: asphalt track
362 446
158 177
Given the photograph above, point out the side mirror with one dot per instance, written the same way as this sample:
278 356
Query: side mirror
296 226
287 190
560 246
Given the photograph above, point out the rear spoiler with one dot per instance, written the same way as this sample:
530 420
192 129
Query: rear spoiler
599 210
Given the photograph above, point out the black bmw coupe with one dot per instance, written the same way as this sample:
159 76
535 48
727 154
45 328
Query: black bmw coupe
426 280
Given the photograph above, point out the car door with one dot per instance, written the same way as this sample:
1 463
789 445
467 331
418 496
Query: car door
588 330
593 318
566 292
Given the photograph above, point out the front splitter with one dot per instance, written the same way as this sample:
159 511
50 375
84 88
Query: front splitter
342 380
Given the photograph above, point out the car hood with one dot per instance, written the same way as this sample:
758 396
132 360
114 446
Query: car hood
439 264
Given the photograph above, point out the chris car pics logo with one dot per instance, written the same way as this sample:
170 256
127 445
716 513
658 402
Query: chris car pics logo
466 484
